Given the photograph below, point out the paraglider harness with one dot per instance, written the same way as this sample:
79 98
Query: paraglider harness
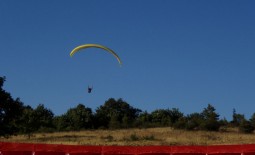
90 89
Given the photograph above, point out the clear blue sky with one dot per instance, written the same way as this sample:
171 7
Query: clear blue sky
176 54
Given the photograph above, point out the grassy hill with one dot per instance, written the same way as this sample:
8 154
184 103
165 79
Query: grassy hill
151 136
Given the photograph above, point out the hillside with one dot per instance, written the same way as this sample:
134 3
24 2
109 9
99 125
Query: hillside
138 137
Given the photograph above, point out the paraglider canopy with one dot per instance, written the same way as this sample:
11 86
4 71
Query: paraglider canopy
85 46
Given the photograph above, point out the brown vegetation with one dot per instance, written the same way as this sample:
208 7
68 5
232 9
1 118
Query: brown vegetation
138 137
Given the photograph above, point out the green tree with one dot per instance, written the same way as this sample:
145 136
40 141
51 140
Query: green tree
143 120
166 117
246 126
115 110
174 115
114 122
194 121
125 122
28 121
61 123
252 119
237 119
181 123
160 117
10 112
43 118
78 118
211 119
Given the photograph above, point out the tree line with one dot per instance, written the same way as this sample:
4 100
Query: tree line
18 118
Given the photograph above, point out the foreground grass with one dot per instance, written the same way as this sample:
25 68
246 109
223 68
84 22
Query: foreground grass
138 137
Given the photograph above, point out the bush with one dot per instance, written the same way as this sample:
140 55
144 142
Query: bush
181 123
151 137
246 127
210 125
108 138
134 137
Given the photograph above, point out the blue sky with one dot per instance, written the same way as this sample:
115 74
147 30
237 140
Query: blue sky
176 54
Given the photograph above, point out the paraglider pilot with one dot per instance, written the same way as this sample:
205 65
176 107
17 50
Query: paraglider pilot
90 89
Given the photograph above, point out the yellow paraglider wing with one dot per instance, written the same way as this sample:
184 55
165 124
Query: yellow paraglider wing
78 48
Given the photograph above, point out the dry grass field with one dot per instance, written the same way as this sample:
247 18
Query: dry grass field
138 137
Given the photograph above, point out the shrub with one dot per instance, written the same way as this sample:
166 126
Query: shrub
246 127
151 137
134 137
108 138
